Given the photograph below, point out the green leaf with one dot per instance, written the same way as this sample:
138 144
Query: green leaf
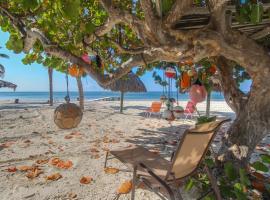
209 162
239 192
230 171
265 158
259 166
30 4
243 177
71 9
90 27
189 184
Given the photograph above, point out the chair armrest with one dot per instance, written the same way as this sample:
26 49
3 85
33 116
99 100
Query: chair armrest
162 182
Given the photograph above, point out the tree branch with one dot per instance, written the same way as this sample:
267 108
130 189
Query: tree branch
233 95
261 34
178 10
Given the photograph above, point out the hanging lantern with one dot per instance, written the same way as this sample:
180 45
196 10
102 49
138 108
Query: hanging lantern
212 70
197 93
67 115
178 111
185 81
170 72
75 71
163 98
86 58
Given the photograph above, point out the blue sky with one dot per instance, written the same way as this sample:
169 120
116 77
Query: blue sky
35 77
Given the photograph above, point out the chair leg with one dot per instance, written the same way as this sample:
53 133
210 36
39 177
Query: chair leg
213 182
134 182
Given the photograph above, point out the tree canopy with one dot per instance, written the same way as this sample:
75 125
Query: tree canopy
124 34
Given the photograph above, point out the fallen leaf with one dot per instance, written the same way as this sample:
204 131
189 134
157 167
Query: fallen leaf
27 141
42 162
111 170
24 168
94 150
68 137
105 149
86 180
64 164
34 173
12 169
7 144
50 142
76 133
125 187
95 156
54 177
72 195
55 161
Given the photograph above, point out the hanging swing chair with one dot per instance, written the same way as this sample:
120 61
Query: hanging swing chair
67 115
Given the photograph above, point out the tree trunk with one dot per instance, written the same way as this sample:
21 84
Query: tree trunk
50 72
80 89
121 102
252 122
208 101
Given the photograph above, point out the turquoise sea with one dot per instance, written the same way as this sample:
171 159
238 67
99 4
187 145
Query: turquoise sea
59 96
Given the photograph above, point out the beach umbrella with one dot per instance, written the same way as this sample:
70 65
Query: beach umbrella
7 85
129 83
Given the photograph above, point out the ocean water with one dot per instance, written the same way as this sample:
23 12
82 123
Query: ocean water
59 96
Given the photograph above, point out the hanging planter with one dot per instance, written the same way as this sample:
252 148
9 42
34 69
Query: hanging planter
170 72
86 58
178 111
197 93
185 81
75 71
212 70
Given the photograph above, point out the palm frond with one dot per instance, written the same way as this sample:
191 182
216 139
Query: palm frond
2 71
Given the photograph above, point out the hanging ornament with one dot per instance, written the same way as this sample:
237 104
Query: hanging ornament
185 81
178 111
170 72
212 70
75 71
197 93
86 58
67 115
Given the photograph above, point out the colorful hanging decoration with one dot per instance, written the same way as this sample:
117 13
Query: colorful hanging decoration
75 71
212 70
197 93
185 81
178 111
86 58
170 72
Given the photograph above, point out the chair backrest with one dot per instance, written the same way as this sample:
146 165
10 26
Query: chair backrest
190 107
156 106
192 148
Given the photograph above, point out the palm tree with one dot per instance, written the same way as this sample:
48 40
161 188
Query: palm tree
2 69
80 89
50 73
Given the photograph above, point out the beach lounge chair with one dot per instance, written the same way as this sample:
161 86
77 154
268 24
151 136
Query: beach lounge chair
190 110
154 109
163 176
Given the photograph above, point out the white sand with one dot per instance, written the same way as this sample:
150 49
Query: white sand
34 122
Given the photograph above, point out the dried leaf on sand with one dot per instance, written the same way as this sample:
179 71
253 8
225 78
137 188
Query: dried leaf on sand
42 162
12 169
35 172
125 187
54 177
25 168
86 180
111 170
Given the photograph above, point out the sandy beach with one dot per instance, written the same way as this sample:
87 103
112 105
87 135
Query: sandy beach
28 134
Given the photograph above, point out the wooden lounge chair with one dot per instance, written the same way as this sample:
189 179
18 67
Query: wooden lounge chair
155 108
162 176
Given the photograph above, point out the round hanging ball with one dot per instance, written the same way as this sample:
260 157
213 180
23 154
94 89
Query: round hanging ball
67 116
